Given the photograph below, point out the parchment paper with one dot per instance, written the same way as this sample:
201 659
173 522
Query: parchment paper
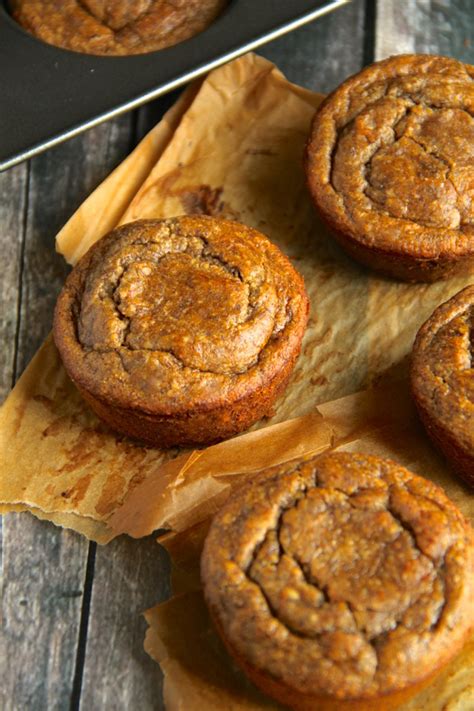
232 146
199 675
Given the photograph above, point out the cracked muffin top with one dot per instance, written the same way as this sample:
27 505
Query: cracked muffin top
115 27
442 370
189 312
390 159
342 576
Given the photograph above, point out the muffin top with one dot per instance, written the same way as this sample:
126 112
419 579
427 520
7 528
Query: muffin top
171 315
344 576
442 372
115 27
390 159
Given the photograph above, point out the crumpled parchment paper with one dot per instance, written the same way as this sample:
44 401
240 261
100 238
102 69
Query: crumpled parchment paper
232 146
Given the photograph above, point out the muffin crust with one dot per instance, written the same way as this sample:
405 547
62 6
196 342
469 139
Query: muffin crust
187 328
120 27
442 379
342 579
390 166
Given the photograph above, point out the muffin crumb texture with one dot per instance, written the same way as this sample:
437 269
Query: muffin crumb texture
120 27
166 320
390 165
345 577
442 379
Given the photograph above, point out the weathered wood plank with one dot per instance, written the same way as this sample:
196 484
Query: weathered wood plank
150 114
425 26
322 54
45 567
13 189
59 181
394 23
130 576
44 571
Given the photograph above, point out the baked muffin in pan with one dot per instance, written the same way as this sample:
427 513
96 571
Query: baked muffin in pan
117 27
343 582
181 331
390 166
442 379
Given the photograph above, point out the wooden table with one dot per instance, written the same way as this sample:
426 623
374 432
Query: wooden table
73 634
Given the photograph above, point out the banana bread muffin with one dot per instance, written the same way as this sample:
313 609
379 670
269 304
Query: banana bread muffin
114 27
181 331
343 582
390 166
442 379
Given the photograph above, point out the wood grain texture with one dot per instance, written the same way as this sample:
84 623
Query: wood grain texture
60 180
13 196
425 26
130 577
44 567
322 54
43 582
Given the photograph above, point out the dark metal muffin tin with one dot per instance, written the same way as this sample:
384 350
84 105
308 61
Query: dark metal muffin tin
50 94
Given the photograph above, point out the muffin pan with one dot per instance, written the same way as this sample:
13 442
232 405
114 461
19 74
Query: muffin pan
51 94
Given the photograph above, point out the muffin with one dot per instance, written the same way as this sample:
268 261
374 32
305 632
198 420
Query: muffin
115 28
181 331
390 166
442 380
343 582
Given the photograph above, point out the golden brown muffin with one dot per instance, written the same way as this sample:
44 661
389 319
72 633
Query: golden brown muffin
442 379
344 582
115 27
390 166
181 331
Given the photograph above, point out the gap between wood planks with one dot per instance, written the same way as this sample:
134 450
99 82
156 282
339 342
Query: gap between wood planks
83 628
20 274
